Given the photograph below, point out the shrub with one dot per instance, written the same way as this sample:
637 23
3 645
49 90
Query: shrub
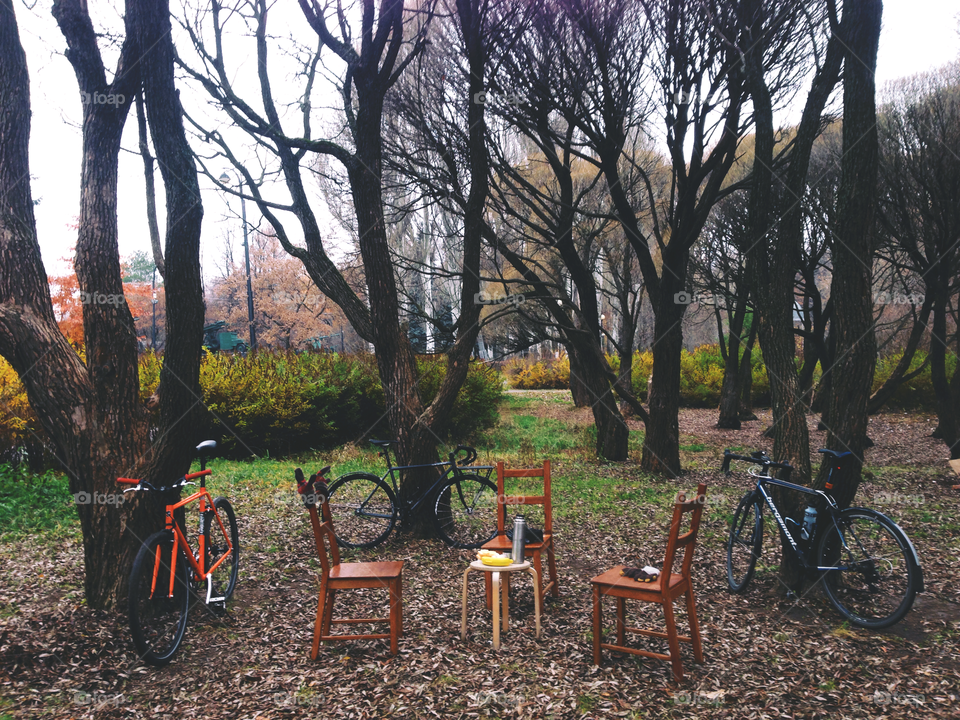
21 434
540 375
916 394
477 406
279 403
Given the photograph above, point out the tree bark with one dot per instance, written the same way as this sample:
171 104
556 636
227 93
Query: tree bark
90 411
730 390
661 445
851 288
900 375
746 375
947 391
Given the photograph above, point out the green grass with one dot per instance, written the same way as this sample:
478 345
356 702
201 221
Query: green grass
31 504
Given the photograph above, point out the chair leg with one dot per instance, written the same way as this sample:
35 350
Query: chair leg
488 590
597 624
552 564
318 625
621 621
400 604
328 615
673 639
694 626
395 605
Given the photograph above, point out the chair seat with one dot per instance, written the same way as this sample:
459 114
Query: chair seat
614 583
502 542
664 591
367 570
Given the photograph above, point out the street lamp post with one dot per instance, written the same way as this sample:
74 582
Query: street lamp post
246 258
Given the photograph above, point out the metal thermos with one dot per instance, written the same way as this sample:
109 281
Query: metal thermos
519 538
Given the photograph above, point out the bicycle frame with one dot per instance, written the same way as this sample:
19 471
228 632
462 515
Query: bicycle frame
451 466
831 509
196 563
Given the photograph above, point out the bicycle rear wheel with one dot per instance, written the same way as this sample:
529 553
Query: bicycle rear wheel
744 544
364 510
224 578
465 511
158 619
877 576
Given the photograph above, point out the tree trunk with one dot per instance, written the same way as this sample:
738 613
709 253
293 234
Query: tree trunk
948 411
581 394
900 374
91 412
746 376
661 445
612 431
851 288
730 390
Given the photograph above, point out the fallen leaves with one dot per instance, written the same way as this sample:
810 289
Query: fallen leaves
766 657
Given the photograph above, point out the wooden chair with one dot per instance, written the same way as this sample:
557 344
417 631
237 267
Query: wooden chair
501 543
347 576
664 590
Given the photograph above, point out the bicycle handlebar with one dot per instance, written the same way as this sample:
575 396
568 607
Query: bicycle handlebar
757 457
144 485
468 459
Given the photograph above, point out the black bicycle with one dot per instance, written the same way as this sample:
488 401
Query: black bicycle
870 569
463 505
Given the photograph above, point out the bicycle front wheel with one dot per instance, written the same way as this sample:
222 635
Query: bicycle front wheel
465 511
744 544
876 578
157 611
224 578
364 510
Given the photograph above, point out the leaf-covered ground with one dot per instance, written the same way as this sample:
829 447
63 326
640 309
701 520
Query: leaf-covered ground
766 657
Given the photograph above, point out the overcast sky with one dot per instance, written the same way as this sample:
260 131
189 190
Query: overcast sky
917 35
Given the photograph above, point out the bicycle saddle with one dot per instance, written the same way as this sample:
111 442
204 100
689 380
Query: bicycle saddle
382 443
834 454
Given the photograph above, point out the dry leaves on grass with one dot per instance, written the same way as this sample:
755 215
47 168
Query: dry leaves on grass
766 657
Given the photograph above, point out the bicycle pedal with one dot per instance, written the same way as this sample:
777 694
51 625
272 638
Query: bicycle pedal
217 605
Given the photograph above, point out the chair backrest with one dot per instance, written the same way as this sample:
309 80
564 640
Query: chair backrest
688 539
324 536
542 499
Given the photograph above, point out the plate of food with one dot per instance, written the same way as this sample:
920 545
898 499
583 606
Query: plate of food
495 559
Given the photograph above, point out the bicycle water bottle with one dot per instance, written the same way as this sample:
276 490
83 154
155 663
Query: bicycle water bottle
809 522
519 538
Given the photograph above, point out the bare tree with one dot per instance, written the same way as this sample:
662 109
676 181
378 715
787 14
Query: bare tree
91 410
372 46
918 211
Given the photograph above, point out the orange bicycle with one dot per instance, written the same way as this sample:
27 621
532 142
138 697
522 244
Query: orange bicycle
161 582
